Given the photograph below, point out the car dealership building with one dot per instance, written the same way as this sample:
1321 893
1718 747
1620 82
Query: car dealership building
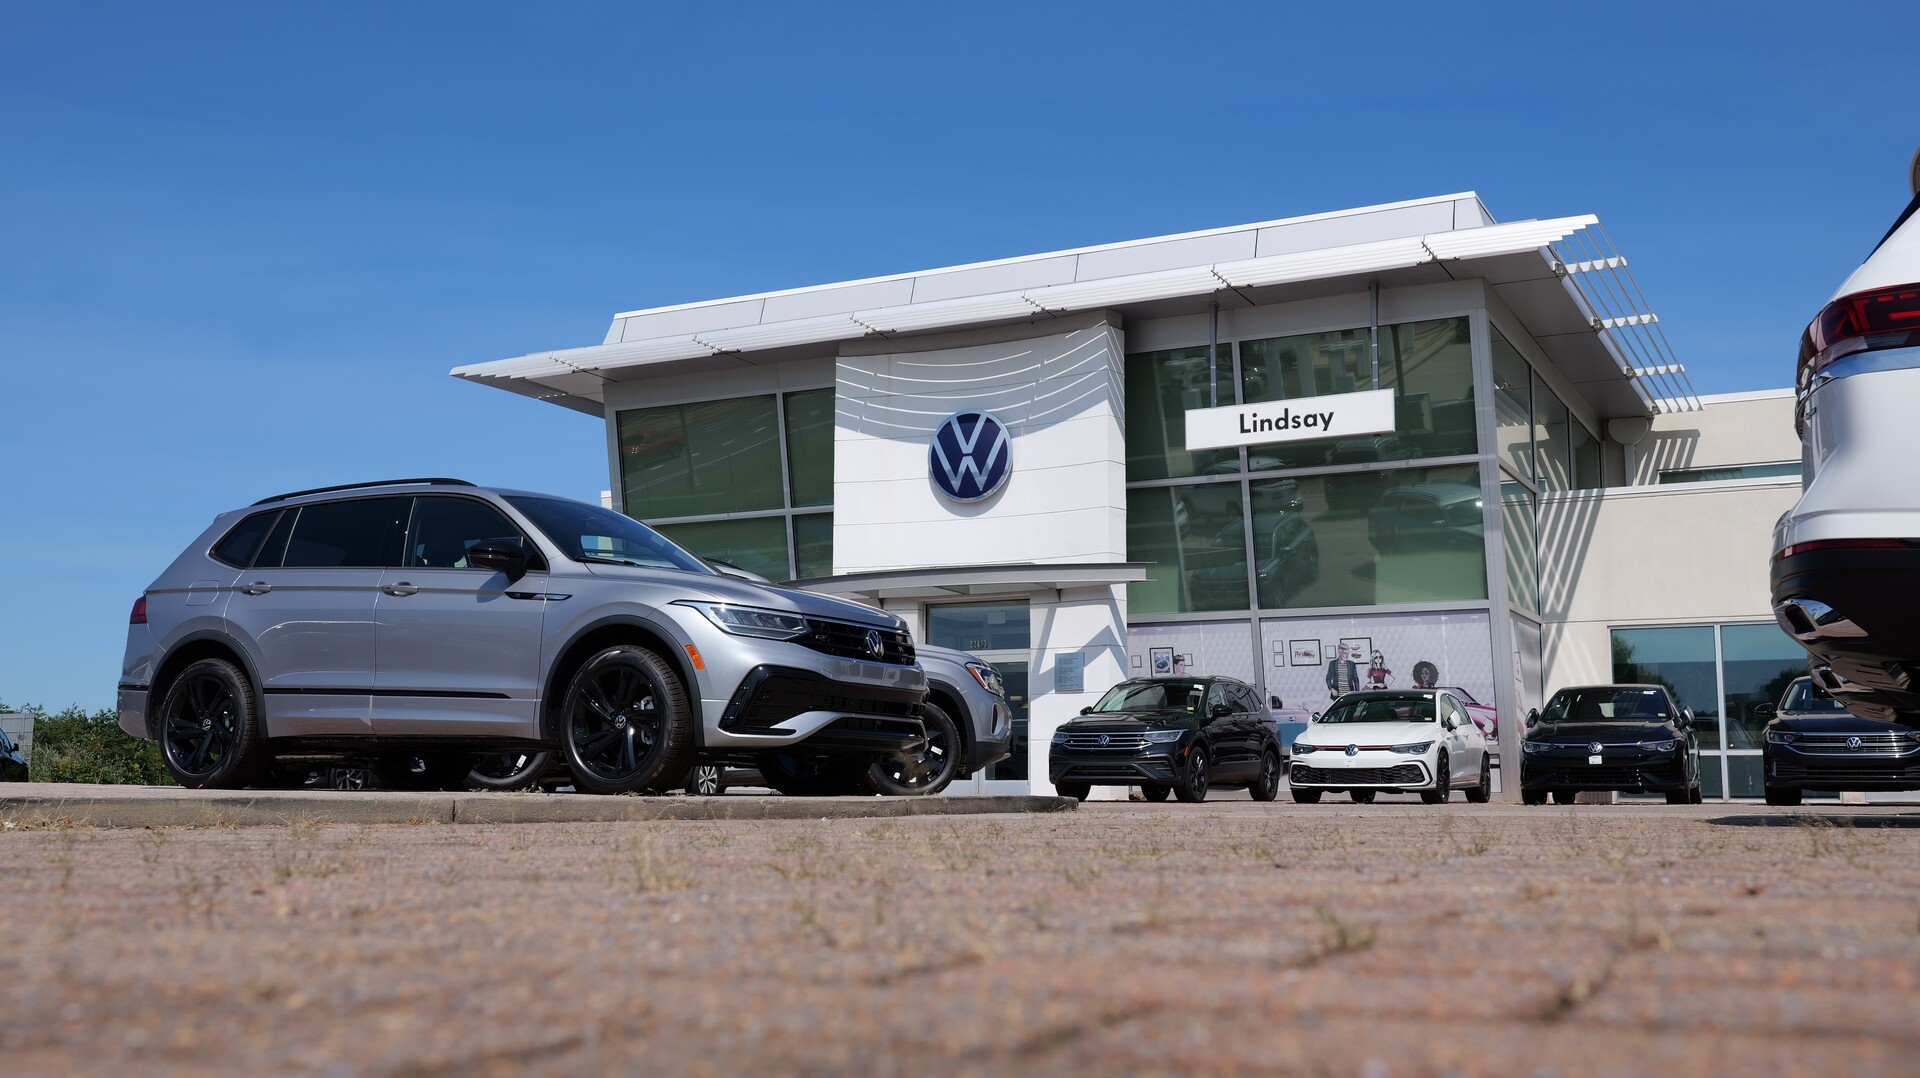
1394 445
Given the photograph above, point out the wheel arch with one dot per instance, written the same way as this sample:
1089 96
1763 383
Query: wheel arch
190 649
947 698
605 633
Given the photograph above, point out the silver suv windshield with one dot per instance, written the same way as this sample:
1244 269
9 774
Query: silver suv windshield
589 533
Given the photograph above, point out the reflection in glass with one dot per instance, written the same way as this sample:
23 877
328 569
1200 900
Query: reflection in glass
980 626
810 447
1523 564
1013 677
758 544
813 545
707 457
1195 541
1681 658
1550 439
1512 406
1758 663
1161 387
1585 454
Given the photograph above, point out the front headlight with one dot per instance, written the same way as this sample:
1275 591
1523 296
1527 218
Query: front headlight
1301 748
1780 737
751 620
1536 746
1412 748
1662 746
1060 736
988 678
1161 737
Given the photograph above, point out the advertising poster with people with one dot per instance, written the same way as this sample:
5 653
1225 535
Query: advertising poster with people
1311 662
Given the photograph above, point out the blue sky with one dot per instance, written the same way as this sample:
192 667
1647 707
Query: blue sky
242 244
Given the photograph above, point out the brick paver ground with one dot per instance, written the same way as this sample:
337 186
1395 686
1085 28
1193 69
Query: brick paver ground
1222 938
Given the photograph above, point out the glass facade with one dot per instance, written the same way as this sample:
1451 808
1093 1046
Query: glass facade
1161 387
719 478
1721 672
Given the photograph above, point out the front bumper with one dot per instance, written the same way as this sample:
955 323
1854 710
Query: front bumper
1153 765
1787 767
781 706
1626 772
1371 769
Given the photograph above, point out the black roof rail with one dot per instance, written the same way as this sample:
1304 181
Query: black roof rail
432 482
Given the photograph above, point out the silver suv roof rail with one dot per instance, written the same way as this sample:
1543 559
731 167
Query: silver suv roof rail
433 482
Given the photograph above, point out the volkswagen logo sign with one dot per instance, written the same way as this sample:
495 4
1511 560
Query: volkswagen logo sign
1353 750
1104 739
876 647
970 457
1853 743
1594 748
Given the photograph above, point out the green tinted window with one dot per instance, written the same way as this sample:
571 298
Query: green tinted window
1161 387
1518 528
810 447
1512 407
813 545
758 545
693 459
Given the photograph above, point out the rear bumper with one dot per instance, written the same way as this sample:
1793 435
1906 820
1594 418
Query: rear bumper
1852 610
133 711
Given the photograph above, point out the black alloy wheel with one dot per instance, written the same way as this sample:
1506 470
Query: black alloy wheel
706 780
1563 797
1533 797
1267 786
1076 790
1483 793
1363 797
1305 797
1155 792
1442 783
1193 789
628 726
927 771
508 770
210 734
1781 795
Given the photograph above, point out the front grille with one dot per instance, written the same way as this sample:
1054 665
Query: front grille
770 696
849 641
1397 775
1098 771
1878 745
1113 742
1619 776
1842 771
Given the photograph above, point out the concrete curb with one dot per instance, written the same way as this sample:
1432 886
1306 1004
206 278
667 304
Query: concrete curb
43 805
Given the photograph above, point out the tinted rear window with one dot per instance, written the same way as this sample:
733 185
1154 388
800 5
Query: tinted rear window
242 543
363 533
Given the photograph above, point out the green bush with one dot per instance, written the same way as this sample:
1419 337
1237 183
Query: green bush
75 746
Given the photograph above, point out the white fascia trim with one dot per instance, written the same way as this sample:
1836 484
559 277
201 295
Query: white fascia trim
1748 395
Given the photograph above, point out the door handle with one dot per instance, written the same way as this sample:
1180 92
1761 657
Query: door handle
402 588
258 587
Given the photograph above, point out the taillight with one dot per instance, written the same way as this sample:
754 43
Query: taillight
1842 544
1862 322
139 615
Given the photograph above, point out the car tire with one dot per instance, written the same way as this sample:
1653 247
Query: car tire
1363 797
507 770
1442 783
1267 786
813 776
1563 797
1533 797
1155 792
1679 797
210 736
1076 790
625 723
1694 794
929 770
1779 795
1193 788
706 780
1306 797
1483 793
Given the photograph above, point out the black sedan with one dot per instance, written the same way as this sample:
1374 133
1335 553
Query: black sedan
1182 735
13 766
1814 743
1626 738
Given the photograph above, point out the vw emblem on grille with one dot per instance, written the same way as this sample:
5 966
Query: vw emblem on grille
1853 743
970 456
1353 750
1104 739
1594 748
876 647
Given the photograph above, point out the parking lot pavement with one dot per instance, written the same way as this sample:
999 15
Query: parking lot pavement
1227 937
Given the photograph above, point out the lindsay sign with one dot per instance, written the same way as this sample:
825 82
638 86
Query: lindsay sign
1336 415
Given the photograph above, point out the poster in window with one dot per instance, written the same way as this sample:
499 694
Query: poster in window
1303 653
1162 660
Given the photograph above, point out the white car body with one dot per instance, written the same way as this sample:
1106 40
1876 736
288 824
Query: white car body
1377 755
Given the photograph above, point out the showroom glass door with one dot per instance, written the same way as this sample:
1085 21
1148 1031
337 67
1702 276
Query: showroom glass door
998 633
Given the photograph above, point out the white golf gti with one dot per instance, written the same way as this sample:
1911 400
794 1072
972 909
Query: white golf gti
1396 740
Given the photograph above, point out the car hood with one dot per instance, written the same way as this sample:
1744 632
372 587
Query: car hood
1342 734
720 588
1833 724
1131 722
1606 733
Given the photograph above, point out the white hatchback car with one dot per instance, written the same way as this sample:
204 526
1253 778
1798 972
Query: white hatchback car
1396 740
1846 559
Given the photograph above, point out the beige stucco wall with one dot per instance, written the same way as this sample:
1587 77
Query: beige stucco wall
1747 428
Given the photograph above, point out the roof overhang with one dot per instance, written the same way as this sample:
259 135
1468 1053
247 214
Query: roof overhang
1561 277
974 580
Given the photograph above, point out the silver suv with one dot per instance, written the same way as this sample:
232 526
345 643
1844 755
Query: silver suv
427 620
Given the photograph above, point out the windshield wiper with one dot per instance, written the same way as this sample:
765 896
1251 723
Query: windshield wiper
608 559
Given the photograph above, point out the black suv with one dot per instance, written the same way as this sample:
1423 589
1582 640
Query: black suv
1182 735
